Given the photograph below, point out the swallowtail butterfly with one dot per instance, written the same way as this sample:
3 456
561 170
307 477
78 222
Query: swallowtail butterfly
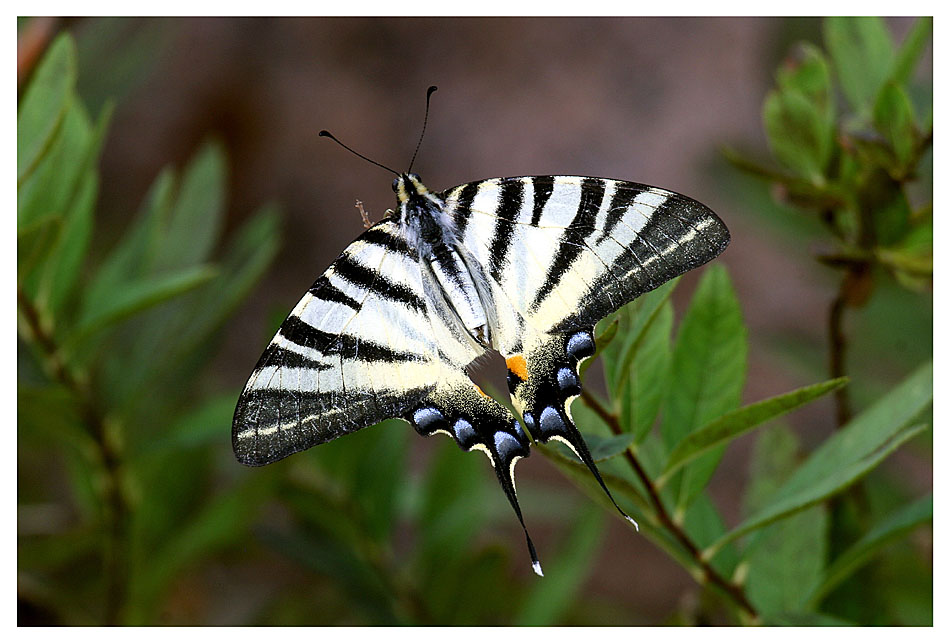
523 265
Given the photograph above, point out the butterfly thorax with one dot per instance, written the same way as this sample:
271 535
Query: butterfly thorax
432 232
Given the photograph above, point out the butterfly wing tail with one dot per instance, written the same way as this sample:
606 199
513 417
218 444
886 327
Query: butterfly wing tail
478 423
544 382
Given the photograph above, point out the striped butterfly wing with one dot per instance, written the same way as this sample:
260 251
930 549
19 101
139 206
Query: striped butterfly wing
560 253
563 252
374 338
358 348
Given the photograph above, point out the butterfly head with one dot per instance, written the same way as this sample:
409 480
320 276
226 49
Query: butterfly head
408 187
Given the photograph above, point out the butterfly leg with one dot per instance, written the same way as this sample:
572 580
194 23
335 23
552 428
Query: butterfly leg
477 422
543 387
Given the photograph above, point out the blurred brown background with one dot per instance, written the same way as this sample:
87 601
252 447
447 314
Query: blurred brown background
649 100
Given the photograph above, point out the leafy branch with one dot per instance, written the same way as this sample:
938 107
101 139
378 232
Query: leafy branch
853 166
709 574
85 337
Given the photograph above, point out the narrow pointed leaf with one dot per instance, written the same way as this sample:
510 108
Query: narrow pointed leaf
911 49
783 559
194 223
863 54
708 368
849 454
44 104
647 379
894 118
892 528
604 448
792 500
636 321
34 242
140 296
735 423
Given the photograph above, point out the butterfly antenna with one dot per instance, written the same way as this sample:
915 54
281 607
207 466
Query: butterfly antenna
350 149
425 120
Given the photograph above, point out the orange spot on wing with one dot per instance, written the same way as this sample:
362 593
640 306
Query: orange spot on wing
518 366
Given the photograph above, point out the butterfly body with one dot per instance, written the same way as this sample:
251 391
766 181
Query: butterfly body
522 265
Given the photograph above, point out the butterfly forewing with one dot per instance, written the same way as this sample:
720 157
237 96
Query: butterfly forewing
578 248
357 349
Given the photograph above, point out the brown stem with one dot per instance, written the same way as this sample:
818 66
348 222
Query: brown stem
730 589
117 506
837 350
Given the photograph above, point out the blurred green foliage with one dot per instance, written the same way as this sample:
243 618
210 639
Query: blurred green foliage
129 499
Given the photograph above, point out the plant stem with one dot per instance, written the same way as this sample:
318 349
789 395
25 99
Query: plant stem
735 592
837 350
117 507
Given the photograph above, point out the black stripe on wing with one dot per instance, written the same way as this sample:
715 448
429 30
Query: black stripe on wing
680 235
620 200
543 187
323 289
463 207
275 355
371 280
509 205
382 236
592 197
345 345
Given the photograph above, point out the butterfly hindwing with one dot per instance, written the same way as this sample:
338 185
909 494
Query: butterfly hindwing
560 253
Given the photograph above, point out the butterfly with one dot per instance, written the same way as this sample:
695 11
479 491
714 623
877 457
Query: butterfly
522 265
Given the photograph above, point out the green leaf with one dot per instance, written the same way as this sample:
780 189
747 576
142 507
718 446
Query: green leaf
129 259
604 448
139 296
892 528
633 320
785 558
798 133
34 241
911 49
735 423
709 363
548 601
185 331
912 258
774 458
810 76
704 525
894 118
863 54
58 281
51 187
849 454
64 267
647 380
194 223
44 104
